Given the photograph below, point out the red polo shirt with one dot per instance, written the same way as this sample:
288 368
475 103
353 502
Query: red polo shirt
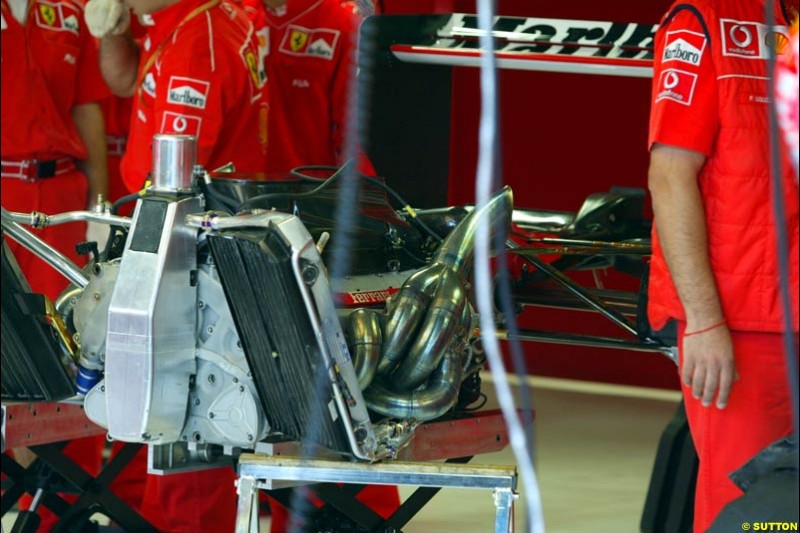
309 60
49 65
199 75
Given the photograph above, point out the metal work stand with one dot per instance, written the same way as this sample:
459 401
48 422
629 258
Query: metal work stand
45 430
454 440
257 472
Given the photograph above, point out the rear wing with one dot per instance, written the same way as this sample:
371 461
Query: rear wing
537 44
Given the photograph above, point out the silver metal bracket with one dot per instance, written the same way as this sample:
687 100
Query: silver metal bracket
255 469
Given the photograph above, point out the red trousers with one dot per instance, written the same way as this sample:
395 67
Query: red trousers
758 413
191 502
67 192
116 187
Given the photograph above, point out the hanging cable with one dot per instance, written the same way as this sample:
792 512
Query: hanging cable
487 168
780 222
420 224
264 199
344 231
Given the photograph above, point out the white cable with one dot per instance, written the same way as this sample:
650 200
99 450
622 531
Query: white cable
487 162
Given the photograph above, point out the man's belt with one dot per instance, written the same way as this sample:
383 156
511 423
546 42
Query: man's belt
35 169
116 145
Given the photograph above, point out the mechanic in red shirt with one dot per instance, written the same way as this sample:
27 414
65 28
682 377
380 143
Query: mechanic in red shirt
310 57
117 115
195 72
53 149
714 266
52 146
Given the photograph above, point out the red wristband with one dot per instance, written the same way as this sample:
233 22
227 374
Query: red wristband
705 330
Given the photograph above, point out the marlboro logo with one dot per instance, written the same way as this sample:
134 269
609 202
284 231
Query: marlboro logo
187 92
684 46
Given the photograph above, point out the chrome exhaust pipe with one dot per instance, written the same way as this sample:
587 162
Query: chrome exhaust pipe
406 312
438 397
452 267
442 323
426 319
364 341
457 250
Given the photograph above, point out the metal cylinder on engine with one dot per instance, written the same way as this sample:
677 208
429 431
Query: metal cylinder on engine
174 158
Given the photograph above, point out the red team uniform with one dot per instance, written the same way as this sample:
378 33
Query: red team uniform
49 65
710 96
117 117
310 53
199 75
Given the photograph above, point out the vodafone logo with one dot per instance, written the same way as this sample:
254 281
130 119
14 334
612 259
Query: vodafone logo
671 80
741 35
180 124
677 85
750 40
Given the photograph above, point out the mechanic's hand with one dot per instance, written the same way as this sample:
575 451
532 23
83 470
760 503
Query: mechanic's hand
709 367
98 233
107 17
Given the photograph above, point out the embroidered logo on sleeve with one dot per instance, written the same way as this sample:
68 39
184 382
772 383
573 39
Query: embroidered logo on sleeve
57 17
298 39
684 46
677 85
256 70
149 84
751 40
71 24
180 124
187 92
320 42
48 16
262 36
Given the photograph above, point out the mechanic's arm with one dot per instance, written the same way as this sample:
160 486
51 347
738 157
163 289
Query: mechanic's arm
119 63
89 122
109 21
708 363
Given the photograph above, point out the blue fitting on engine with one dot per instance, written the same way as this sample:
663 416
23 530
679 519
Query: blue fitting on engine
87 378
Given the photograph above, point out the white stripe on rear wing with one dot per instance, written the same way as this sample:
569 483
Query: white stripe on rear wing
550 45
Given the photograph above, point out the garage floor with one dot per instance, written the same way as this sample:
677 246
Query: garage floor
596 445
